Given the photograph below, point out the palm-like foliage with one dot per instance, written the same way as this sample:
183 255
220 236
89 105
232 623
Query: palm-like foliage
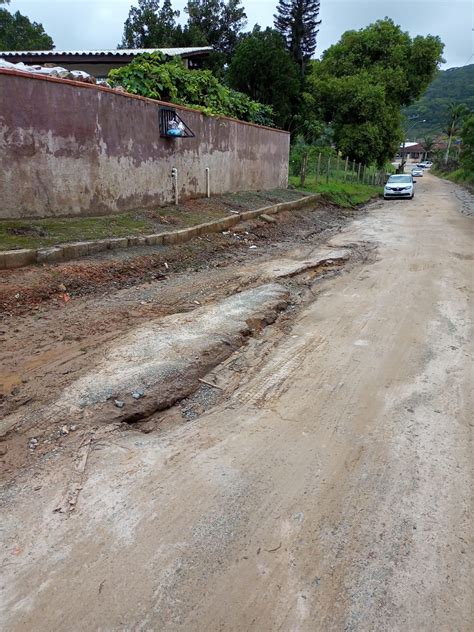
456 113
428 144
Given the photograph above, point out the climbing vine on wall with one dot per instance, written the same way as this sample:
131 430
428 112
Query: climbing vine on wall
152 75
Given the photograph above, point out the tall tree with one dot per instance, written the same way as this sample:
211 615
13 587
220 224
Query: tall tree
297 21
17 32
361 83
263 68
150 25
428 144
219 22
456 113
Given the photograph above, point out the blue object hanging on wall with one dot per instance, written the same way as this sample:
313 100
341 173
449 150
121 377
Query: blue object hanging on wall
172 125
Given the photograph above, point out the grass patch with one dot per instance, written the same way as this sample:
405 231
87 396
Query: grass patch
345 194
37 233
460 176
40 233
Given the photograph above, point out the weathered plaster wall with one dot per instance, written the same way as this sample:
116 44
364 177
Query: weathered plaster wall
70 149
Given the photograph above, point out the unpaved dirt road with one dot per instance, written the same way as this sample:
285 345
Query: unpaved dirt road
326 485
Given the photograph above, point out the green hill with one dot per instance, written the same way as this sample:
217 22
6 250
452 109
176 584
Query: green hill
455 84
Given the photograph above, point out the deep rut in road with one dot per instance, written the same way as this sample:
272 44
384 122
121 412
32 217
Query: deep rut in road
164 362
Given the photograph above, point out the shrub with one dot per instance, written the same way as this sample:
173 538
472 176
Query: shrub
151 75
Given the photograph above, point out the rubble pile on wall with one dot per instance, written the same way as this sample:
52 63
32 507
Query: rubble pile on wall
55 71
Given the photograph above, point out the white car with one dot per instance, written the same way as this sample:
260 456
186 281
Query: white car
417 172
399 186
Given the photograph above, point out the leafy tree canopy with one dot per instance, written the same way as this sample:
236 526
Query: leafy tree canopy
150 25
219 22
17 32
297 21
263 68
150 75
213 23
361 82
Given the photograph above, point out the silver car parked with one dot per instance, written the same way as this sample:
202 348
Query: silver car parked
399 186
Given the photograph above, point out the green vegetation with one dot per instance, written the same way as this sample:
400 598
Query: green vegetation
325 164
150 25
459 168
449 86
218 23
297 21
16 234
34 233
361 82
150 75
345 194
457 112
267 66
17 32
322 170
213 23
263 68
467 148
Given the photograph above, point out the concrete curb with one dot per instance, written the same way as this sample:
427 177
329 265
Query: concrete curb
19 258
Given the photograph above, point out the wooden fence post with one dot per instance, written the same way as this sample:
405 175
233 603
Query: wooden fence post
358 172
345 168
329 166
304 165
318 171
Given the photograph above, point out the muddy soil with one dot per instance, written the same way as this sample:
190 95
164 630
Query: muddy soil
48 342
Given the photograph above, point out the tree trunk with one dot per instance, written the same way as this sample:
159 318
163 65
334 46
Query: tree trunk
450 138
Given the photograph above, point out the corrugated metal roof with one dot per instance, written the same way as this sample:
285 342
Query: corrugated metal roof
118 52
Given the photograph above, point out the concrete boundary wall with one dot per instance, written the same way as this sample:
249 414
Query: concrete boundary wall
74 149
19 258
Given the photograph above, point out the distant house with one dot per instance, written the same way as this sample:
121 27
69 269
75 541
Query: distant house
416 151
99 62
411 150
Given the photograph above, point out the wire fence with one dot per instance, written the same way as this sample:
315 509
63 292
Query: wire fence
325 168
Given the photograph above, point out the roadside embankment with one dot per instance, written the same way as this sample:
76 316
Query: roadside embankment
344 194
460 176
30 289
65 252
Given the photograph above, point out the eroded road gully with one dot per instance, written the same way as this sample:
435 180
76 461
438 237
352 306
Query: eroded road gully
329 489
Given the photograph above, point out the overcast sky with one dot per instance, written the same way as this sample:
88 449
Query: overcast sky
97 24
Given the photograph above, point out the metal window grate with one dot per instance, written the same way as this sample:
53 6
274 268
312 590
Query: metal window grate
171 121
